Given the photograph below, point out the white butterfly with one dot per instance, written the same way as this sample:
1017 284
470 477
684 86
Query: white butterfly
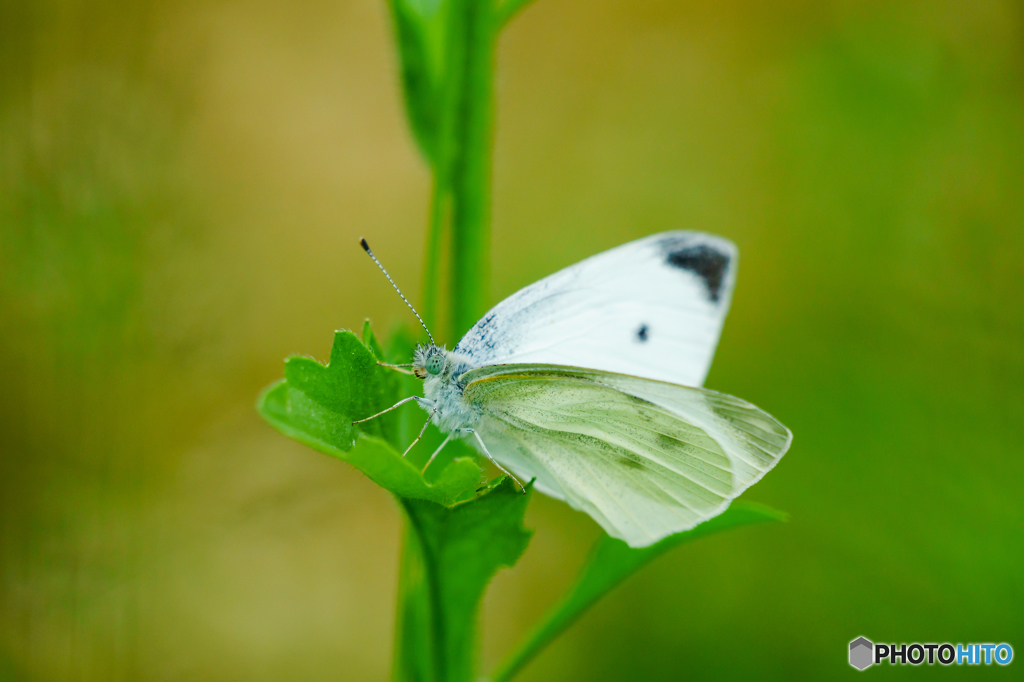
586 382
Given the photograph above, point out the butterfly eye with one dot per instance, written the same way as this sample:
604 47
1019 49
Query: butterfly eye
435 363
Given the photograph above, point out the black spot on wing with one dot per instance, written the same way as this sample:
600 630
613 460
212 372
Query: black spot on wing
706 262
641 333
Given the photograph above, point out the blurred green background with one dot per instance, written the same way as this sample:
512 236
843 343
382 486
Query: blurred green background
182 187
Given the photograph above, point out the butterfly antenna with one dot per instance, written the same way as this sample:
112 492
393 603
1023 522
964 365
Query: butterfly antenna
366 248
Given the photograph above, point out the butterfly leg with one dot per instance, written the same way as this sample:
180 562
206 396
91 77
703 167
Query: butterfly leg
401 402
493 461
422 431
437 452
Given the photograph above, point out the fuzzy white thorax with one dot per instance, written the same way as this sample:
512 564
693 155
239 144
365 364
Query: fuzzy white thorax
444 390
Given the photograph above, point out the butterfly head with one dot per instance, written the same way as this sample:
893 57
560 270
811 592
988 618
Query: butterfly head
429 361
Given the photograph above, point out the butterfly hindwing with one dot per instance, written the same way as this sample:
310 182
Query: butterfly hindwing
644 458
653 308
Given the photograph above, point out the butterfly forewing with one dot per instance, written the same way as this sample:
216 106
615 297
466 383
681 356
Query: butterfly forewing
643 458
652 308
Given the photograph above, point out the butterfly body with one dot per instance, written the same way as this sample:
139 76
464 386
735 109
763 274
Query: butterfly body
443 388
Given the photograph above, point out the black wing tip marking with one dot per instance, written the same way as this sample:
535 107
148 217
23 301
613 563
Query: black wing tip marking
705 261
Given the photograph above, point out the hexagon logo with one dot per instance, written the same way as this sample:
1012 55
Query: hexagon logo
861 653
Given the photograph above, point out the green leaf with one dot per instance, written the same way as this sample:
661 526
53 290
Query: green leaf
611 562
316 405
453 555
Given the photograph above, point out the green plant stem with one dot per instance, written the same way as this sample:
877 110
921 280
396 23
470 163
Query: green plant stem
425 650
440 653
460 202
414 658
471 128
